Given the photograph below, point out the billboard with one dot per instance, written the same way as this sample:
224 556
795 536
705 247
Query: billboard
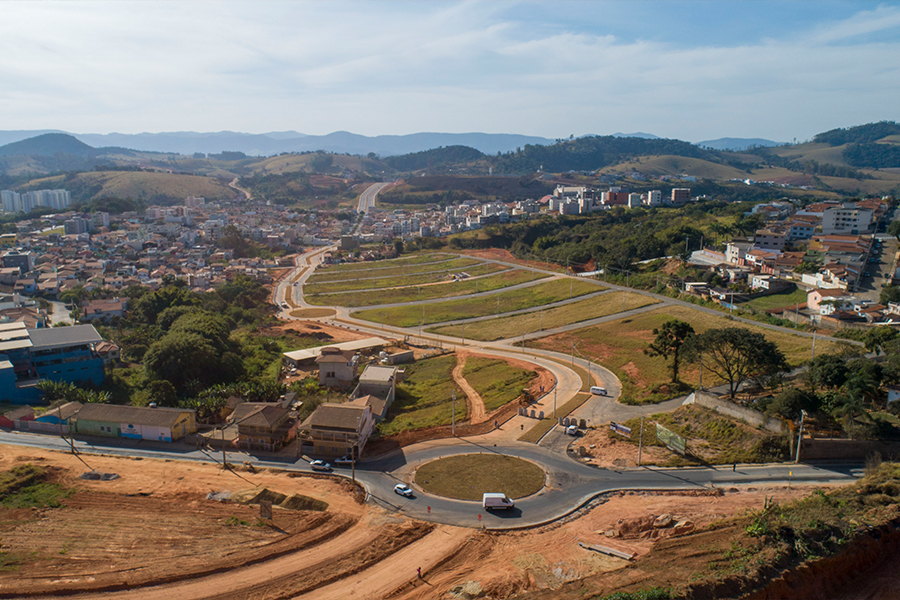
672 440
619 428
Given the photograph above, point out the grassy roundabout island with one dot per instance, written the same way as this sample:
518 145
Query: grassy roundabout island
468 476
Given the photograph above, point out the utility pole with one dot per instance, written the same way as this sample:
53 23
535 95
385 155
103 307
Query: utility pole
555 388
800 435
453 413
573 354
641 442
813 344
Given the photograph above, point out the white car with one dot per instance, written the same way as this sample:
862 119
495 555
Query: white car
344 460
572 430
403 490
319 465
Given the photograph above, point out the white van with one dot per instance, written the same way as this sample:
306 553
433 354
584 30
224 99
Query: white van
494 500
598 391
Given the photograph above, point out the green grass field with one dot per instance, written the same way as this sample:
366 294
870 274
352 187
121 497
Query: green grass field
509 327
468 476
436 276
495 380
782 300
426 292
519 299
619 345
424 398
327 274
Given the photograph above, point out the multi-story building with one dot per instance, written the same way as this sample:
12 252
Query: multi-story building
57 354
681 195
847 219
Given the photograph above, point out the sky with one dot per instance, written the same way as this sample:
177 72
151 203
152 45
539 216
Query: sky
688 70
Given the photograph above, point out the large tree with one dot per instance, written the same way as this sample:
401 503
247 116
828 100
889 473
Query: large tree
669 340
735 355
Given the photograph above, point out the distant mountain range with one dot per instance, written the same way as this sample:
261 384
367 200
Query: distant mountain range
738 143
268 144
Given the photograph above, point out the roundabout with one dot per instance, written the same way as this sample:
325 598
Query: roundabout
468 476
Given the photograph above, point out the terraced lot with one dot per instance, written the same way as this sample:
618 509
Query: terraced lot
425 278
368 271
539 320
428 292
518 299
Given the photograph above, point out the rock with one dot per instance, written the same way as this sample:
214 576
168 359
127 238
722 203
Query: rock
663 521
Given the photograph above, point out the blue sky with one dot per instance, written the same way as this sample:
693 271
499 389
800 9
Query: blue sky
691 70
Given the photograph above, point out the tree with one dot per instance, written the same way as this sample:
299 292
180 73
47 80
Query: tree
894 229
876 337
889 293
789 403
826 370
669 339
398 246
735 355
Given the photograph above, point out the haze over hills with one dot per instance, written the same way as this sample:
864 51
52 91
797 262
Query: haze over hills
267 144
738 144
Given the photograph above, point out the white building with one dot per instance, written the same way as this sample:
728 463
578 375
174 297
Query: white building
847 219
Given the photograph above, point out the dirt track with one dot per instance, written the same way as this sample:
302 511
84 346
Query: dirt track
475 405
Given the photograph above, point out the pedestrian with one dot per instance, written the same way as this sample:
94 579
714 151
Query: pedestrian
734 467
420 572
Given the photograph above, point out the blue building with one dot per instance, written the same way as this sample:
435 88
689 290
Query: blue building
59 354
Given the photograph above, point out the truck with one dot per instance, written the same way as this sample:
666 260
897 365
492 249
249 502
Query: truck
496 500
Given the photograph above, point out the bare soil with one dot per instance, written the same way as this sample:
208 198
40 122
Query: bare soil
152 534
603 450
321 331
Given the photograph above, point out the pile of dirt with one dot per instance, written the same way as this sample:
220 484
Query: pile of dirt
292 502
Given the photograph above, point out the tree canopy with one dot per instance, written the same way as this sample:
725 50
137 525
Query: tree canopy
735 355
669 339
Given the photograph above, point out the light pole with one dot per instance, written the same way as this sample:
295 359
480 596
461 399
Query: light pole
453 417
800 435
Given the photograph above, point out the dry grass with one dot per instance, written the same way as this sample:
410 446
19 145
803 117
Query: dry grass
539 320
468 476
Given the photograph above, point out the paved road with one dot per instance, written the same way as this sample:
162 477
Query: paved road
367 198
569 484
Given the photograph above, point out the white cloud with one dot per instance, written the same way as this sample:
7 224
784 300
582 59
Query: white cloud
402 67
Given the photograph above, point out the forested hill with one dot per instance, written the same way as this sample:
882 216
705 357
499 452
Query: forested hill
861 134
436 157
595 152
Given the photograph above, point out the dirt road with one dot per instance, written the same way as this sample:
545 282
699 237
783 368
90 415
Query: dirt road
474 402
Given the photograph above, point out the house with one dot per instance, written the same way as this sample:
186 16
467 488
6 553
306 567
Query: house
827 301
104 309
56 420
11 419
135 422
263 425
337 368
337 429
108 351
379 382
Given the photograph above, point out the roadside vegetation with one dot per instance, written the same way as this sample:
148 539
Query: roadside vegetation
503 301
619 345
423 399
509 327
496 381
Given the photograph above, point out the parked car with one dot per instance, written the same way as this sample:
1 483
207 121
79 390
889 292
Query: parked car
319 465
344 460
403 490
572 430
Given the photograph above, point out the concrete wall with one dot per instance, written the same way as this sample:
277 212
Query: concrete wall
726 407
830 449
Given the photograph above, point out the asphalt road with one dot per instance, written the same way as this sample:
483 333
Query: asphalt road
569 484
